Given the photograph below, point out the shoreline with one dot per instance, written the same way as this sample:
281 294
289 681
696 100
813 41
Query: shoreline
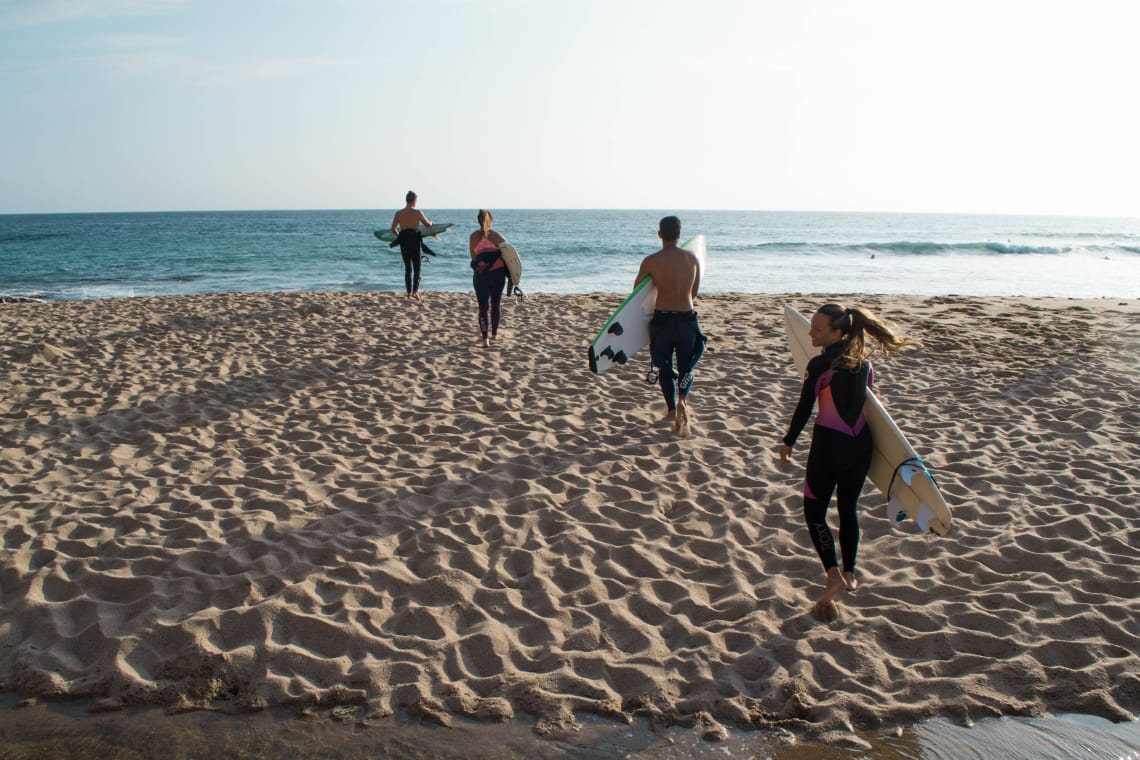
322 498
35 729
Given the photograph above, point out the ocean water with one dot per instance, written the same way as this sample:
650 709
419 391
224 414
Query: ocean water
83 256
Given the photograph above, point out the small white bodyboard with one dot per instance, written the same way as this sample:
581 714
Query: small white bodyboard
513 262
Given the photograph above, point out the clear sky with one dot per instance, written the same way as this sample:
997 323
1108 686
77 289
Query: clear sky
1004 106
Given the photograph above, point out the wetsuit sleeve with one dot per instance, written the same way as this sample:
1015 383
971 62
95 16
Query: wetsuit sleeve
806 402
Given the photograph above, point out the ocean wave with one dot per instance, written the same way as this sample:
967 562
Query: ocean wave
914 248
31 296
31 237
1009 248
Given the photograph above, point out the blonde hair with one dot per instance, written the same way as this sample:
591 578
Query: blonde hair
854 324
485 220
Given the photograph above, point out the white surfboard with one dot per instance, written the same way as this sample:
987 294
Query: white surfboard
627 331
433 231
513 262
896 469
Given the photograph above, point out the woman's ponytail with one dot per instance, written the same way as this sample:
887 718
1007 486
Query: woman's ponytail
486 219
854 324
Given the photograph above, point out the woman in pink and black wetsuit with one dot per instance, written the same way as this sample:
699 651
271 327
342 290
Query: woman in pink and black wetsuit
490 275
840 453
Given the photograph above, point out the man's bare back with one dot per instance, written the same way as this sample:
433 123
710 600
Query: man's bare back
676 274
408 219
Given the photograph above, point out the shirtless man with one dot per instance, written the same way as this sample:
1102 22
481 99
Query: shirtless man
676 275
406 226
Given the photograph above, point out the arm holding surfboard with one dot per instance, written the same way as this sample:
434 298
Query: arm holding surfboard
674 329
490 274
844 446
410 240
627 330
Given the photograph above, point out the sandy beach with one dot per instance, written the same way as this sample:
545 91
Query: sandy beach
246 501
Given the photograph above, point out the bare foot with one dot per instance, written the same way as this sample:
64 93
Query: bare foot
670 415
416 296
835 587
851 581
828 612
486 343
681 422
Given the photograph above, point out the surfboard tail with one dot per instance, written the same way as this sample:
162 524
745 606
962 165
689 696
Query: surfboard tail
925 517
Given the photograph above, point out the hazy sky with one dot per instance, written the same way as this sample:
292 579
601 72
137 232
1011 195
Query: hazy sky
1018 106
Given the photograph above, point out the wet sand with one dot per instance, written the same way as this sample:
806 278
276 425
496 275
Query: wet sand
75 729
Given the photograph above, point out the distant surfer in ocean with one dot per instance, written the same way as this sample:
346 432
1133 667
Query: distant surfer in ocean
406 226
490 276
674 328
840 454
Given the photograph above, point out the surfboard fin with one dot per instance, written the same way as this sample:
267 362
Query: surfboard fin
908 471
923 518
895 510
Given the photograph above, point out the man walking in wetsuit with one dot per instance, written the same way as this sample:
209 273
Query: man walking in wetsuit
674 329
406 226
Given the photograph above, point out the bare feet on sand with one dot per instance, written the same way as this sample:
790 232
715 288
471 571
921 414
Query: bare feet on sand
851 580
681 419
828 612
835 587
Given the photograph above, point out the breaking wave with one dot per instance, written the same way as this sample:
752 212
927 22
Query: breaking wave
921 248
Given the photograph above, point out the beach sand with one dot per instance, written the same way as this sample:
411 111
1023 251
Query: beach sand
250 501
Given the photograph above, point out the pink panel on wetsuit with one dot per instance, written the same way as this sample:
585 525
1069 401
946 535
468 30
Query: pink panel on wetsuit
828 416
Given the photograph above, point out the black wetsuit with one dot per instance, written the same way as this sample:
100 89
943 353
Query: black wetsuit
675 332
410 242
840 454
489 279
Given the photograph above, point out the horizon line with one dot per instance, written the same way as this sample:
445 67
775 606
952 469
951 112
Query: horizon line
581 208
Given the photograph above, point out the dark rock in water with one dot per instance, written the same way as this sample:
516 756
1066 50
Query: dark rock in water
20 299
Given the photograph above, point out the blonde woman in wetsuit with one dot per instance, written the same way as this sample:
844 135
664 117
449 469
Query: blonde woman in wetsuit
840 454
490 275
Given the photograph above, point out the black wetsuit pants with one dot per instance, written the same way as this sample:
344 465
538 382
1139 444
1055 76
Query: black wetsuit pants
836 463
410 241
675 332
489 292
